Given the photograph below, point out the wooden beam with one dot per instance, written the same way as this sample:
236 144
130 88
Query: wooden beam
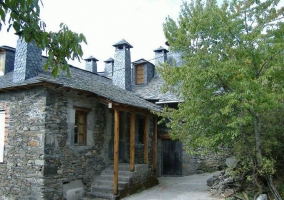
116 152
165 137
146 128
130 109
132 141
154 167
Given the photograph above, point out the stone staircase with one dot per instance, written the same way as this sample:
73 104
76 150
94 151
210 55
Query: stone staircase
102 186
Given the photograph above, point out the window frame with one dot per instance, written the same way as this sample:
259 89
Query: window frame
83 112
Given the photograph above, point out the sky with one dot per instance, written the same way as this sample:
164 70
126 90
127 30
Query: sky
106 22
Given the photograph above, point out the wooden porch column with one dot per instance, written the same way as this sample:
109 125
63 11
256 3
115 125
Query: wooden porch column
116 151
132 141
155 144
146 128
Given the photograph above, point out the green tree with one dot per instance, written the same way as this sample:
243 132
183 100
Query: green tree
231 80
24 18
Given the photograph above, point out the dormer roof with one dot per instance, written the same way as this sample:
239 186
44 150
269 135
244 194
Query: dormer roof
140 61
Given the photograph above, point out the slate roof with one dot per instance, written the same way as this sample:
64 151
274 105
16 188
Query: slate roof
152 91
85 81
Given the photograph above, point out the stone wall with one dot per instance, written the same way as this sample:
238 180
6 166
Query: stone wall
64 161
40 159
201 163
39 155
21 173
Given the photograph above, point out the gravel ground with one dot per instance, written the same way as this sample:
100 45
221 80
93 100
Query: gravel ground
178 188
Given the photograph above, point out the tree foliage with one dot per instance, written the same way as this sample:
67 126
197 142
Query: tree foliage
24 18
231 80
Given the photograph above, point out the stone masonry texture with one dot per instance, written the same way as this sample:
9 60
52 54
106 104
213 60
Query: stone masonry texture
122 68
40 156
28 61
91 66
21 174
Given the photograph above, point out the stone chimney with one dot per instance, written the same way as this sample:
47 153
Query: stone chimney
122 65
28 60
174 57
160 57
91 64
109 67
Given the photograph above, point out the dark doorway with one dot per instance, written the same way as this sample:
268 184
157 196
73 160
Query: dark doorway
172 158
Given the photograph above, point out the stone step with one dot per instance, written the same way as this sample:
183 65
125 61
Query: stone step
110 178
120 173
104 189
126 167
109 183
101 195
121 166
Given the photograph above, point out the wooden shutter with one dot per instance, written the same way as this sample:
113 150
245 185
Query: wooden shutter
140 74
2 134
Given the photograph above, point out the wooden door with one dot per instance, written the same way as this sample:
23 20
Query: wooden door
172 158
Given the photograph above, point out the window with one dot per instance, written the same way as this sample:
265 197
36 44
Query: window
80 128
140 74
2 134
2 63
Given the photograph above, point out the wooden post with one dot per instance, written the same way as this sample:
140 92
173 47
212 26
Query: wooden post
155 144
146 139
116 152
132 141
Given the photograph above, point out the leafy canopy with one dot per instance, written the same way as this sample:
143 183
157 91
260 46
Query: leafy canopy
232 78
24 18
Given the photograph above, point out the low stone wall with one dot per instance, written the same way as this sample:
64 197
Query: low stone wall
142 179
201 163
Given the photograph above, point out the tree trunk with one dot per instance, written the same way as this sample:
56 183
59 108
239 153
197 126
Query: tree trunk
259 158
257 141
272 188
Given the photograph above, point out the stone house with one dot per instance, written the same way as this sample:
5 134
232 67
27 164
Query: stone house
172 158
61 138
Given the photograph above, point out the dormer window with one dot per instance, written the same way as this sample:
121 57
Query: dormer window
140 74
2 63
